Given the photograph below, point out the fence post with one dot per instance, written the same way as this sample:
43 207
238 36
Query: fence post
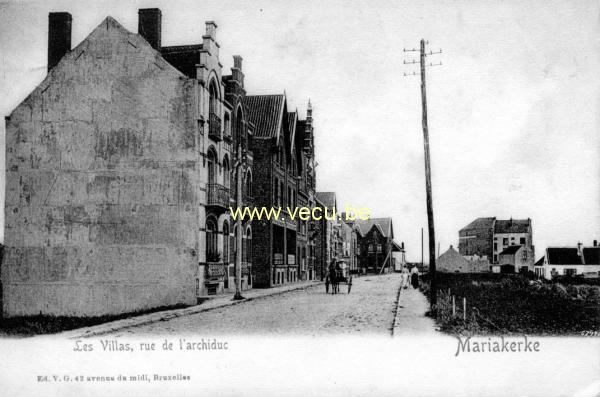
453 306
464 309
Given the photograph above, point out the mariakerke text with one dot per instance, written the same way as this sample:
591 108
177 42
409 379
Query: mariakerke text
496 344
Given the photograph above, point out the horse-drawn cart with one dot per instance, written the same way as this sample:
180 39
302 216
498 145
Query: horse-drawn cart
336 276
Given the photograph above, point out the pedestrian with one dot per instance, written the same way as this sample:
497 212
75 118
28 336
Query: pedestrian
414 277
327 283
404 278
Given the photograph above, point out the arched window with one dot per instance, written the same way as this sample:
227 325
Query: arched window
214 97
227 124
233 244
247 252
211 241
214 118
226 173
225 242
239 125
212 165
248 187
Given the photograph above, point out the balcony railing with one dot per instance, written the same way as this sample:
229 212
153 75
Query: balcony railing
214 127
215 269
218 195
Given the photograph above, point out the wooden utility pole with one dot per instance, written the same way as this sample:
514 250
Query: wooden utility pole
422 249
430 224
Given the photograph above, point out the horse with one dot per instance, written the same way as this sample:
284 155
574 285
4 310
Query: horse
335 281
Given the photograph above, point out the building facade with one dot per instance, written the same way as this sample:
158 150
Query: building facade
275 241
104 179
516 259
570 261
122 165
349 244
303 142
328 239
375 240
489 237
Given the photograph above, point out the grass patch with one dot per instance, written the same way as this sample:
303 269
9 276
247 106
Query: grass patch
500 304
41 324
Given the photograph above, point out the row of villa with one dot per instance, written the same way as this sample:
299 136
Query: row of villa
121 167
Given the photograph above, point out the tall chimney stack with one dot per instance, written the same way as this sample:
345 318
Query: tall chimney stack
150 26
59 36
595 243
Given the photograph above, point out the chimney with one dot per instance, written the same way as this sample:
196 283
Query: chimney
237 62
59 36
236 71
211 31
595 243
150 26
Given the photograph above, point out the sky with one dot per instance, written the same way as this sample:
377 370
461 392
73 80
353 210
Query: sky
513 110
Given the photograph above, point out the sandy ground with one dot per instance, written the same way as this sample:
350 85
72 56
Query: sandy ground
368 309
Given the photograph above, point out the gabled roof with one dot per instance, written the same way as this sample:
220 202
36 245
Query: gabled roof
511 250
383 224
328 199
512 226
451 256
292 118
591 255
109 28
540 262
266 113
480 223
563 256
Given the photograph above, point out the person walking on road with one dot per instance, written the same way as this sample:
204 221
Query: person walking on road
404 278
414 277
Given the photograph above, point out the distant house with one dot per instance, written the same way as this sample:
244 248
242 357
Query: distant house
399 257
570 261
453 262
488 237
518 258
538 268
375 244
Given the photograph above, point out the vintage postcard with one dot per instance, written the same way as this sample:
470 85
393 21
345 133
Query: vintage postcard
300 198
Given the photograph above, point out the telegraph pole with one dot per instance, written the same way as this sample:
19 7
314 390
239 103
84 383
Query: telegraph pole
432 270
422 249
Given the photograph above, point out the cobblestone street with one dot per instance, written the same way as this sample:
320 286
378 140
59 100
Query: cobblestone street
368 309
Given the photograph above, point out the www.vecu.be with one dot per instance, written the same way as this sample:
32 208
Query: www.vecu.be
303 213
